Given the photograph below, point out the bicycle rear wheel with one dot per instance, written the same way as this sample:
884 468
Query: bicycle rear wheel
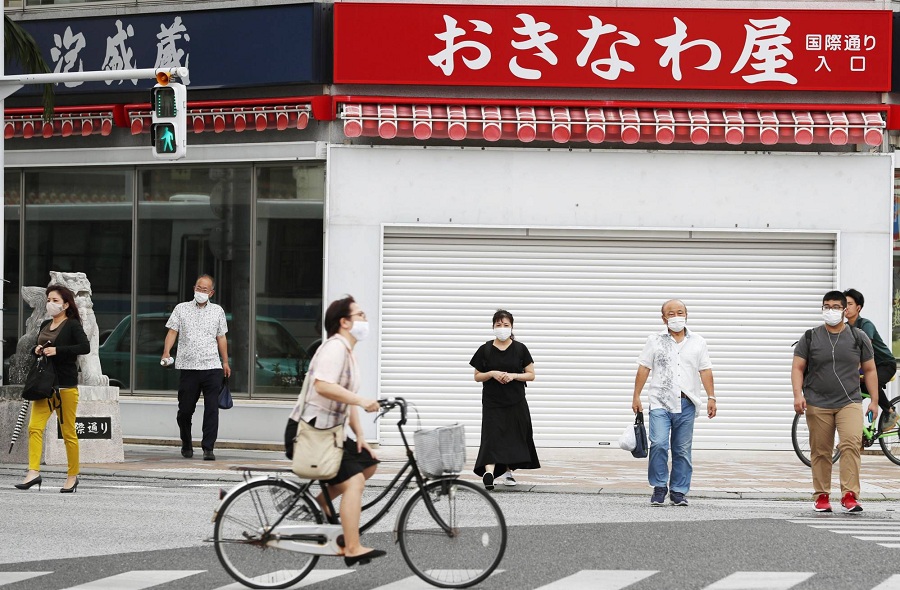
240 528
890 440
800 440
473 547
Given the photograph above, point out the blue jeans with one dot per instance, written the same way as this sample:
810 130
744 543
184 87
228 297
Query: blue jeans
680 427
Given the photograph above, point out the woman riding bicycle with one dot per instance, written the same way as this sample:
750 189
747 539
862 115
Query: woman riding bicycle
332 400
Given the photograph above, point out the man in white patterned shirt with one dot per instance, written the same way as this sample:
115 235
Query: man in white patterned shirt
677 362
200 328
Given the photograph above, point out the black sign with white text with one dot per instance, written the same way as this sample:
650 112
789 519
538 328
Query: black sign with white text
90 427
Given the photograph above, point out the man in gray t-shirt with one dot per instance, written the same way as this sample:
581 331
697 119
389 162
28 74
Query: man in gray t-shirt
825 379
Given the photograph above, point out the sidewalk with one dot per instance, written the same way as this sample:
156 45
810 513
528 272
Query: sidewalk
717 474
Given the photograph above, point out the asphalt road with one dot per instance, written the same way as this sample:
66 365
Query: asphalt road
113 534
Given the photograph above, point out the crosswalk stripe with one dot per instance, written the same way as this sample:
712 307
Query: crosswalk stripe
844 521
861 530
136 580
13 577
889 584
894 532
417 583
760 581
314 577
599 580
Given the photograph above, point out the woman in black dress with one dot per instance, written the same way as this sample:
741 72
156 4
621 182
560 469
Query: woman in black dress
503 366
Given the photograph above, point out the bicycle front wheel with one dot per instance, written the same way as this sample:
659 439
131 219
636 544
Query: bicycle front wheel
241 529
473 543
890 440
800 440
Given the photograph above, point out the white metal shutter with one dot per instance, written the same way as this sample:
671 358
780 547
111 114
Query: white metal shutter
584 307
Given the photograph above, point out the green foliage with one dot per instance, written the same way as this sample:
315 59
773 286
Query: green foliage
20 47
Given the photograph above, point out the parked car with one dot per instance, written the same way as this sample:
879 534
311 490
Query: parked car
281 363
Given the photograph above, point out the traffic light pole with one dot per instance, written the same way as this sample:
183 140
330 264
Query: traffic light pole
11 84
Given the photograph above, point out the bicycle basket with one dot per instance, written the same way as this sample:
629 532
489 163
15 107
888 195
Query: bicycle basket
441 451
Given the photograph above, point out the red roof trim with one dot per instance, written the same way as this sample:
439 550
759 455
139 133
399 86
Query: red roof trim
627 123
344 99
279 113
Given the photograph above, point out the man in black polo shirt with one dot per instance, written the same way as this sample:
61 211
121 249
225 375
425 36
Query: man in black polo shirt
885 363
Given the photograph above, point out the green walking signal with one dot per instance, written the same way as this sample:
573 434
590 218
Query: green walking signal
168 130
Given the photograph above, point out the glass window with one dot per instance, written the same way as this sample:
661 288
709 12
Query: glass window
290 206
79 220
12 180
192 221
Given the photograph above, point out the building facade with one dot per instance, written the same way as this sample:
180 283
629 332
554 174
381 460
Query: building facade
577 163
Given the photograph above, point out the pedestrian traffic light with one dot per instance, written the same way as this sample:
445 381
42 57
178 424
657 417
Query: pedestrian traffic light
168 130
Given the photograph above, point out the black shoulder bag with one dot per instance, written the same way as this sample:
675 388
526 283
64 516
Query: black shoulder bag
41 383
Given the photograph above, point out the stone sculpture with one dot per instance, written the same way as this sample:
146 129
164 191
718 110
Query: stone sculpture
21 361
90 372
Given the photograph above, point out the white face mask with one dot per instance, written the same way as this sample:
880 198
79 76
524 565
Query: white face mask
201 298
360 330
676 323
502 334
54 309
833 317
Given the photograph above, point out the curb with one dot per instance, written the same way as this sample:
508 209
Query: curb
234 478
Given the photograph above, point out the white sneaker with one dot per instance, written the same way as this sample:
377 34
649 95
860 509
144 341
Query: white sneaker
890 422
508 479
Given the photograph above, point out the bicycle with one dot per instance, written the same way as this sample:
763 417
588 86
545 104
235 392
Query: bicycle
889 440
269 532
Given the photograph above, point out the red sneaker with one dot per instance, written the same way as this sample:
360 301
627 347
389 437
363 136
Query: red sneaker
850 504
822 503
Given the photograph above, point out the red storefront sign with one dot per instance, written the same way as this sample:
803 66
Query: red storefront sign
568 46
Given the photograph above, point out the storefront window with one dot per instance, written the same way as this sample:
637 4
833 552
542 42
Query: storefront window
192 221
11 207
79 220
288 273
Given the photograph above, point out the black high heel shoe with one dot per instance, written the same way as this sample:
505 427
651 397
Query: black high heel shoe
70 490
31 482
364 558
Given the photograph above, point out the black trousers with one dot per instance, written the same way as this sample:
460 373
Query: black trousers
192 383
885 374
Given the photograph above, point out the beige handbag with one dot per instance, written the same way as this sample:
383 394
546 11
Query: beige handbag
317 451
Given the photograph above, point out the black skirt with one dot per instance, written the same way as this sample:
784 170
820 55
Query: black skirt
352 462
507 439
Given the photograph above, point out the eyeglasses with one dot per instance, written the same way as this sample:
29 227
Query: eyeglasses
202 290
361 314
833 307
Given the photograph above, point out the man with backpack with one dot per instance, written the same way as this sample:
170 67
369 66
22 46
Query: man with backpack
825 380
885 363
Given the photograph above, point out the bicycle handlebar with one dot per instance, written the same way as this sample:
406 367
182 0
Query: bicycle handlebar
390 403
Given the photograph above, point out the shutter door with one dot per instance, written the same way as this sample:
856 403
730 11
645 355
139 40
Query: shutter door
584 306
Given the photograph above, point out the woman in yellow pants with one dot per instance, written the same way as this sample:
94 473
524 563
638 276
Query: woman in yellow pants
61 339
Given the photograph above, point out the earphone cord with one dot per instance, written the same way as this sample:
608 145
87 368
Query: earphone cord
834 364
